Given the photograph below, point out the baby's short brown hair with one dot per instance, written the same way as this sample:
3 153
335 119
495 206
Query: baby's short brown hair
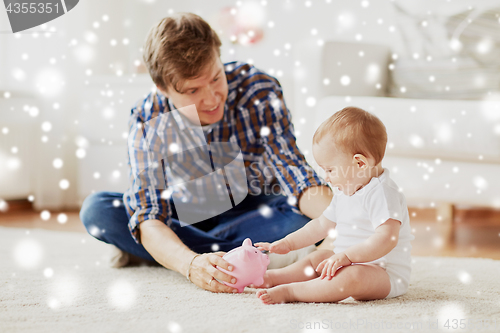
178 48
355 131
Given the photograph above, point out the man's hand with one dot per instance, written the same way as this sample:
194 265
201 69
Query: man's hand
328 267
203 272
281 246
167 249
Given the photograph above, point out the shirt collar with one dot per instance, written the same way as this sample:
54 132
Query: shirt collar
179 119
374 181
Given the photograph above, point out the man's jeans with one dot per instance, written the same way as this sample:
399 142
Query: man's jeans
107 221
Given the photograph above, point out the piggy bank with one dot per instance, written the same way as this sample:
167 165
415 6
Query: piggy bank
249 265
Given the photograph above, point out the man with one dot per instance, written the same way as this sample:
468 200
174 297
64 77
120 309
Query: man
233 103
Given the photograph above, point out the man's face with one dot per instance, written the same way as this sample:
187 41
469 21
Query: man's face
208 93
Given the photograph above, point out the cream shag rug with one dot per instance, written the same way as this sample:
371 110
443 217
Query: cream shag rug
58 282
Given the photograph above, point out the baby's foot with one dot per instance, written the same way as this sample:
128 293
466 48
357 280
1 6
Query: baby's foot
280 294
268 283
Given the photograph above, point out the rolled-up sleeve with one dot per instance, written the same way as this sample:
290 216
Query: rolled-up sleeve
143 200
277 134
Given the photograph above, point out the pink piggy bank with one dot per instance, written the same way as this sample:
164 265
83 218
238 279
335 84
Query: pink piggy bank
249 265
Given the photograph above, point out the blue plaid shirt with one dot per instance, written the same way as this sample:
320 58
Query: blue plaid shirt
255 117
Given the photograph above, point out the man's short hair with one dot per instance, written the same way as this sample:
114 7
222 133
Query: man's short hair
355 131
179 48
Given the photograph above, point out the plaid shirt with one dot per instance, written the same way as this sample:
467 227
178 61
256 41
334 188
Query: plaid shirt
255 118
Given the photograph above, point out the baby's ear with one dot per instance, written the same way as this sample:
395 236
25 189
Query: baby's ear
360 160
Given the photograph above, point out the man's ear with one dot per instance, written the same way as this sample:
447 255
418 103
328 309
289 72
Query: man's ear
361 161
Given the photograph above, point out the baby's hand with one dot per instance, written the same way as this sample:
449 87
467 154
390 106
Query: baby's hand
328 267
280 246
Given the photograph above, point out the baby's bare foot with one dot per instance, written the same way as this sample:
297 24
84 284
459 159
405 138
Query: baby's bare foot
280 294
268 281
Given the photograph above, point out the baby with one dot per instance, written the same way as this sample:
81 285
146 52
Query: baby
368 214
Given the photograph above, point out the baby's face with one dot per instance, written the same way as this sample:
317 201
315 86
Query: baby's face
342 170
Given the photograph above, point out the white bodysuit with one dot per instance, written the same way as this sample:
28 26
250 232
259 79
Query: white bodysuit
358 216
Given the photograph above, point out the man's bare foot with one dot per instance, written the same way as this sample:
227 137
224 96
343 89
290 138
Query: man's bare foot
268 283
276 295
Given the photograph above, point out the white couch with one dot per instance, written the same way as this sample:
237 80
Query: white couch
104 127
19 146
438 151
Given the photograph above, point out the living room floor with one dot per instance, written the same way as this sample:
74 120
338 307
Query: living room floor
477 232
